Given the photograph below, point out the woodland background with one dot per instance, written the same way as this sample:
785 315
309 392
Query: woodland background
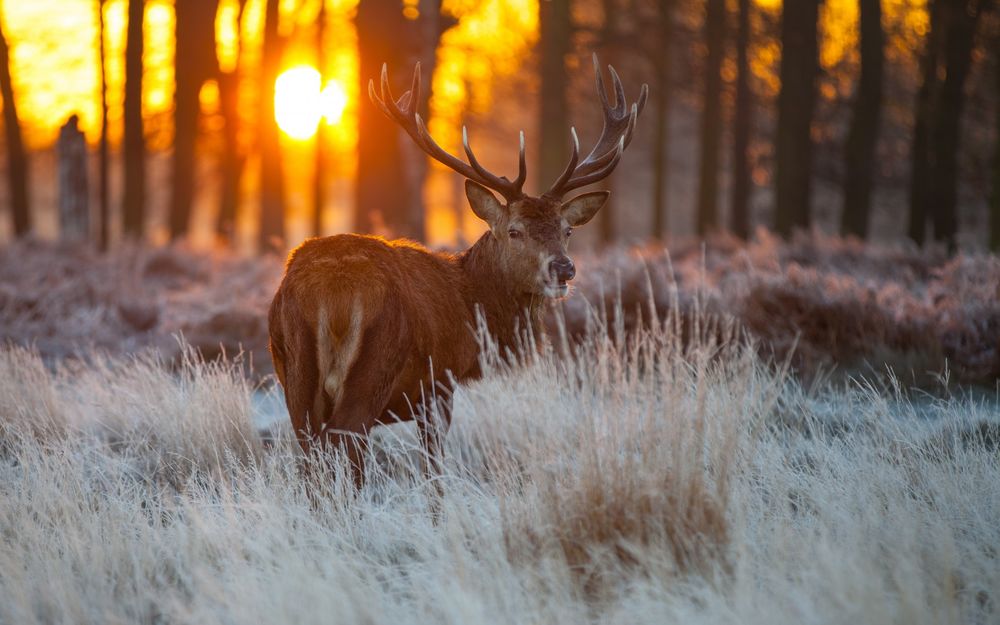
874 118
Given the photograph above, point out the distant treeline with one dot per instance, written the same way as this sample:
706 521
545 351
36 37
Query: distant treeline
773 117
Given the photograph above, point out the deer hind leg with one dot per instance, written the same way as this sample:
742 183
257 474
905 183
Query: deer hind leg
358 385
292 351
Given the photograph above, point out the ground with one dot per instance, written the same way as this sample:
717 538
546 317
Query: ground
683 465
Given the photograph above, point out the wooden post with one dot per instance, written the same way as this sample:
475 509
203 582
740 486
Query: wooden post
74 193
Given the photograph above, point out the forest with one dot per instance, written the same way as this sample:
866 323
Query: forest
869 119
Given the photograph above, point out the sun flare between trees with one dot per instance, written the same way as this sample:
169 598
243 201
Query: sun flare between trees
301 101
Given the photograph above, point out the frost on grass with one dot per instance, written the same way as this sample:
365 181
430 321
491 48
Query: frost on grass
64 300
629 478
827 303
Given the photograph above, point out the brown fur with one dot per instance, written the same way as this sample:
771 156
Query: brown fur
363 329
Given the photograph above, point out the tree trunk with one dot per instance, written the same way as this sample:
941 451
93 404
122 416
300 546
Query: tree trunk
428 31
103 190
711 118
381 190
272 195
946 130
995 205
194 63
609 56
133 208
862 138
17 158
232 158
927 103
555 36
742 121
319 157
661 146
796 104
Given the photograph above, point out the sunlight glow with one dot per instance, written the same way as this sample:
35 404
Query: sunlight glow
300 104
54 62
333 101
296 101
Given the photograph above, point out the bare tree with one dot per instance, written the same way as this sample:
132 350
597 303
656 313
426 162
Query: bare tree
927 103
17 158
663 62
554 40
233 159
381 190
427 32
610 45
133 209
711 118
272 192
195 62
103 190
742 124
862 138
319 157
963 17
995 204
796 105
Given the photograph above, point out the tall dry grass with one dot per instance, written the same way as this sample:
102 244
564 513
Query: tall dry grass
629 478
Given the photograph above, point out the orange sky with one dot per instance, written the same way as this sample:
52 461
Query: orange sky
56 73
55 62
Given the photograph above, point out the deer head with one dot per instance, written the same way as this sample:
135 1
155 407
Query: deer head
531 233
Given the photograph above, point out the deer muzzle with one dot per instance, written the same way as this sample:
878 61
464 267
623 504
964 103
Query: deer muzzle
563 269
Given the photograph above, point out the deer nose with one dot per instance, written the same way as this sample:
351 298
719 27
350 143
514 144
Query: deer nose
563 268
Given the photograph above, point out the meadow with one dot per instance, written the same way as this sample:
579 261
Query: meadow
657 460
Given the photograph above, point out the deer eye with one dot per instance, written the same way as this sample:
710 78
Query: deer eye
514 234
569 232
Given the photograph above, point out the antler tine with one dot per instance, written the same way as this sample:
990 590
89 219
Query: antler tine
386 89
482 171
378 101
404 112
620 104
522 168
601 173
415 86
601 89
643 94
614 117
567 173
616 134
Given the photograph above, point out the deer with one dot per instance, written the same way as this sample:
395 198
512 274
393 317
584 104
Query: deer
362 328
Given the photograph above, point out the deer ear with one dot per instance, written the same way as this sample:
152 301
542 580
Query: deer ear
484 204
582 208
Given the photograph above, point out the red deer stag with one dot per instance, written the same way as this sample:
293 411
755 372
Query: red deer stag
361 327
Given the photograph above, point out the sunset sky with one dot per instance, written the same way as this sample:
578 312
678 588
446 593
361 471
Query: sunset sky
56 71
55 65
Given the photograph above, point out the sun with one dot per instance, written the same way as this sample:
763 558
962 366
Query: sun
301 101
333 101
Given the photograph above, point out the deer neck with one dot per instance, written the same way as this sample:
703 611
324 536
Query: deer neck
506 309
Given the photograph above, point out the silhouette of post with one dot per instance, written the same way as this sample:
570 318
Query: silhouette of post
74 192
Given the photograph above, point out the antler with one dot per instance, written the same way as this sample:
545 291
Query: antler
619 122
404 112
